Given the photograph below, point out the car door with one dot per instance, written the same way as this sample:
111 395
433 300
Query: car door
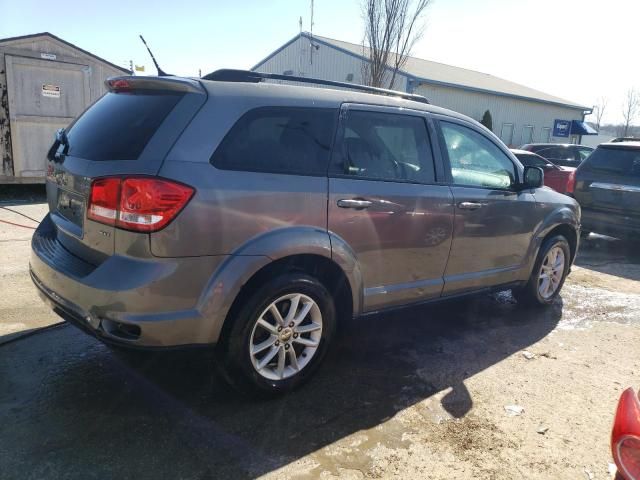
608 186
494 221
386 203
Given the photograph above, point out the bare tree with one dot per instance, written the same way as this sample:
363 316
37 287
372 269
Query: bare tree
630 108
598 110
392 29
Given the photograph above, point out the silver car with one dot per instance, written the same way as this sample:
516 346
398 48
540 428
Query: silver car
255 217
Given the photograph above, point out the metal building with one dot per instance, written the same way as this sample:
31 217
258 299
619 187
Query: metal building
45 82
520 114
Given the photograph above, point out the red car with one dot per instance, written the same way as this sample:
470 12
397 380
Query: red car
561 179
625 437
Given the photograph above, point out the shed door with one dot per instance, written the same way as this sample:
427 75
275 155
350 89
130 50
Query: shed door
43 96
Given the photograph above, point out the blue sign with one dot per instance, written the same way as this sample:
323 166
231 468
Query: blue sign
561 128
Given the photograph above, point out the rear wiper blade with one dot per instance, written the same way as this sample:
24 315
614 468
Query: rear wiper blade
60 139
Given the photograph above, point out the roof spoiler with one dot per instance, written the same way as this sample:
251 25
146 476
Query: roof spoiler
230 75
129 83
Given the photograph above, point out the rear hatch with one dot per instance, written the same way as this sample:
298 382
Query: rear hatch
127 132
608 182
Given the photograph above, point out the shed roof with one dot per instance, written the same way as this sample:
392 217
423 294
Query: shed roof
437 73
51 35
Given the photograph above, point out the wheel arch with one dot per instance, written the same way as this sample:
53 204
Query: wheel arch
567 232
327 271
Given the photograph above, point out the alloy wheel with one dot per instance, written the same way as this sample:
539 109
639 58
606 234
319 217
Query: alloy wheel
286 336
551 272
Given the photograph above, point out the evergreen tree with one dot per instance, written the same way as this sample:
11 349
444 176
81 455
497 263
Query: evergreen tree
486 120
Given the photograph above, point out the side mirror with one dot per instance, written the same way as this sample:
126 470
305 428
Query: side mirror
533 177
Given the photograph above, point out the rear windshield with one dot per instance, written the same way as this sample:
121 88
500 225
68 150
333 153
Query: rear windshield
615 160
119 125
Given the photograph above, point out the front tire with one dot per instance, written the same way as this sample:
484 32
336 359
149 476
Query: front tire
279 336
549 273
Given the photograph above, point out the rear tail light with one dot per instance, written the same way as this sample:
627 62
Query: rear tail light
625 437
103 203
140 204
571 182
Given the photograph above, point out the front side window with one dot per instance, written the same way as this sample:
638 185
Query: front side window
384 146
475 160
288 140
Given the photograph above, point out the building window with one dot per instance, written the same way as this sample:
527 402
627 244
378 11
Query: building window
545 134
506 134
288 72
349 77
527 134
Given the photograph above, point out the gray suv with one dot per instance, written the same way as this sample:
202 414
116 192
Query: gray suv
257 216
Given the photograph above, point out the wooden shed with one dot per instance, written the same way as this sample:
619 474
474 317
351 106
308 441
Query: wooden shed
45 82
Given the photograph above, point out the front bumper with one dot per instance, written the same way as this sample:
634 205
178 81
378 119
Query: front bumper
151 302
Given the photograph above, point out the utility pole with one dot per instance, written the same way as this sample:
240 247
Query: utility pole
311 32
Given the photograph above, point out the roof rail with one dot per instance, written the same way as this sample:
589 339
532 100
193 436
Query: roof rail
230 75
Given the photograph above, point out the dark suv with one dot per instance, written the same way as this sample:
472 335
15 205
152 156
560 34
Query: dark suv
255 216
561 154
608 189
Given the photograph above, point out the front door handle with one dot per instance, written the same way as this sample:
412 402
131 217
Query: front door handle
354 203
470 205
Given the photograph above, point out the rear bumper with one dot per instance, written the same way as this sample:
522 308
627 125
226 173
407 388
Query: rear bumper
129 301
615 225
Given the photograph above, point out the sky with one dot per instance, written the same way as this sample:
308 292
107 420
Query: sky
577 50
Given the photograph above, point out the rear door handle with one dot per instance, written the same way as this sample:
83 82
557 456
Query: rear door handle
470 205
354 203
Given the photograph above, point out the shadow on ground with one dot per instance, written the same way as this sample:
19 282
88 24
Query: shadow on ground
610 255
72 408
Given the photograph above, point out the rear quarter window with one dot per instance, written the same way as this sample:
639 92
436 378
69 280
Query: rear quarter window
290 140
119 125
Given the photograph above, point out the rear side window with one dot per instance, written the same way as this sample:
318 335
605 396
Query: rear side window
279 140
616 161
385 146
119 125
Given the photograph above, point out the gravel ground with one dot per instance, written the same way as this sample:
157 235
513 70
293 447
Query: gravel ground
420 393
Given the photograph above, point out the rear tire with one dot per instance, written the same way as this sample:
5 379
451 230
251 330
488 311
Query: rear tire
548 275
271 349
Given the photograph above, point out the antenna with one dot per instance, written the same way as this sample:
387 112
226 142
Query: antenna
300 23
161 73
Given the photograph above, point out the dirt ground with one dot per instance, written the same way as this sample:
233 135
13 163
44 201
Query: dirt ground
420 393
